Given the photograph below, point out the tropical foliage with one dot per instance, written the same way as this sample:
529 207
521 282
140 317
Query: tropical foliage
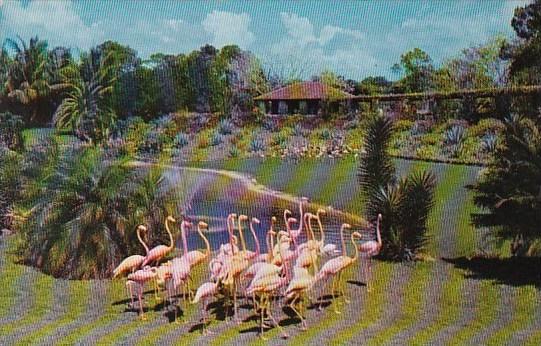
406 203
510 189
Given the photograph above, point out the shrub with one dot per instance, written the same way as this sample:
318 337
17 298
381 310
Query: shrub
455 135
421 127
270 125
484 126
203 142
11 127
403 125
298 130
181 140
154 142
216 139
225 127
489 142
234 152
279 139
257 144
326 134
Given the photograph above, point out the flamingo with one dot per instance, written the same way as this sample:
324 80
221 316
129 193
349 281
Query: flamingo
336 266
308 251
266 286
158 252
267 257
371 248
301 283
196 257
204 293
140 277
132 262
225 251
295 233
325 249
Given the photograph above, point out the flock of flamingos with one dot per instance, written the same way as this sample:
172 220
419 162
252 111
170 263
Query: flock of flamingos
289 270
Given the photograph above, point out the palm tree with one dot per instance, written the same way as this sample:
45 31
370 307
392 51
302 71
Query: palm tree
509 191
84 108
405 204
76 228
27 77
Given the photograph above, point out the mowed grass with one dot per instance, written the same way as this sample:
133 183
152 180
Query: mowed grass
525 298
76 305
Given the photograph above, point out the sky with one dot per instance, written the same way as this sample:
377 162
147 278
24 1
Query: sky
352 38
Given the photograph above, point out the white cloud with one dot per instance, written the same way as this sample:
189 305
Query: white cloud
55 21
229 28
304 46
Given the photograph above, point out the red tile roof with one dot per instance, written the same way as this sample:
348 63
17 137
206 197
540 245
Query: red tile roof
305 91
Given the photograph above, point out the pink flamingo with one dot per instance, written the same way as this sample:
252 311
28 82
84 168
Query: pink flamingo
225 251
266 286
295 233
336 266
140 277
325 249
371 248
204 293
158 252
267 257
301 283
196 257
132 262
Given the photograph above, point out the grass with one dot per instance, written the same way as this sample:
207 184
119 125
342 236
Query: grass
79 294
413 303
486 313
449 303
524 313
42 295
9 277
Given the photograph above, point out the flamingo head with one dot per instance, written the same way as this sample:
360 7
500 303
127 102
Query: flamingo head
379 217
273 219
186 223
305 199
243 217
321 211
202 224
235 239
292 220
171 219
346 225
287 212
142 228
256 220
357 234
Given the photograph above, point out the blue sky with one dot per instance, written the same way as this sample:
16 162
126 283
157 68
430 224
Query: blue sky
353 38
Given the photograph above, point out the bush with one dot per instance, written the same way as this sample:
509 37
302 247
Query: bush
269 124
421 127
234 152
484 126
326 134
279 139
154 142
298 130
403 125
455 135
257 145
216 139
11 127
181 140
489 142
225 127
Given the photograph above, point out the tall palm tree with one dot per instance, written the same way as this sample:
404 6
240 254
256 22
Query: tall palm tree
84 108
27 78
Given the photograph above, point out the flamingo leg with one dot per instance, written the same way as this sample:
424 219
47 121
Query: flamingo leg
130 293
334 296
299 314
368 287
262 317
141 309
235 307
284 334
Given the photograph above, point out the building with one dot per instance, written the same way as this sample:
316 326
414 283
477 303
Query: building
304 98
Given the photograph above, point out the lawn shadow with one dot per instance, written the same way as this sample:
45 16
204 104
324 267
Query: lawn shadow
356 283
514 271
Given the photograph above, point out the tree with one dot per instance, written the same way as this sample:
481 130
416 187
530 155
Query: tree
510 188
524 54
28 78
417 70
374 85
405 204
85 108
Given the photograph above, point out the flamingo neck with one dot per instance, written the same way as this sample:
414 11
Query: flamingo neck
171 243
378 234
356 255
257 246
270 244
207 244
242 241
138 231
344 252
183 235
309 227
320 224
301 218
